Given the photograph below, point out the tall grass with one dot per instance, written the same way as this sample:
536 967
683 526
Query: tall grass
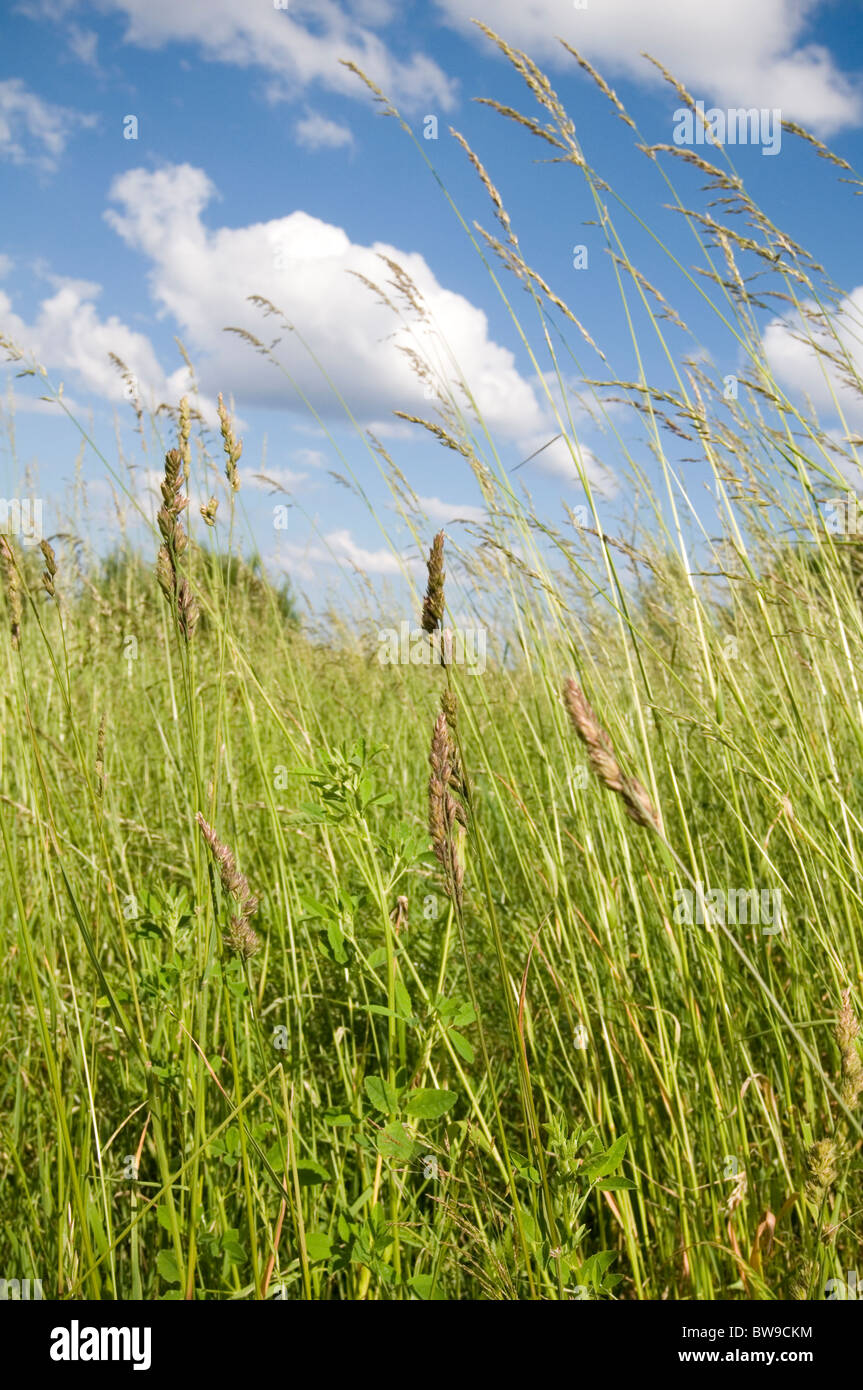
281 1016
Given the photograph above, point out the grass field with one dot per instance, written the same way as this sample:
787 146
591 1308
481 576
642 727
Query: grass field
328 978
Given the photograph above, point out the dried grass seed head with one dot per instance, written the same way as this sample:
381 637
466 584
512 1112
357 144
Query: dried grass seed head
12 585
604 764
433 604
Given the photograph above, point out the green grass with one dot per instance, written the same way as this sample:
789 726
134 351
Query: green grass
547 1087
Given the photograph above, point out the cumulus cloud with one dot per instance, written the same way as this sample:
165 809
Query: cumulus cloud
340 334
315 274
339 548
299 44
447 512
737 53
68 334
34 131
792 351
315 132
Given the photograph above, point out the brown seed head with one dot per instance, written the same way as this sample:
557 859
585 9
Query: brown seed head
50 569
12 583
604 764
449 706
174 538
242 938
446 813
433 604
188 611
100 757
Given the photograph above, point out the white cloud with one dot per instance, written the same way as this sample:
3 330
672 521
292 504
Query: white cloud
738 52
34 131
315 132
281 42
309 458
83 44
271 479
801 368
36 405
559 458
69 335
202 279
447 512
339 548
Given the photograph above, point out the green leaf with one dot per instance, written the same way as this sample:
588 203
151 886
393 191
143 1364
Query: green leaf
606 1163
403 1000
395 1142
319 1245
529 1226
423 1287
310 1173
429 1104
166 1263
594 1268
461 1045
332 943
231 1246
382 1095
615 1185
163 1216
308 814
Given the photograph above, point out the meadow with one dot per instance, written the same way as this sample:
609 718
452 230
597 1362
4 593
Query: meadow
331 978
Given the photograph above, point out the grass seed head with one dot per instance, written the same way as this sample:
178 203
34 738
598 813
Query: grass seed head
185 432
433 604
604 764
847 1030
12 583
240 938
188 611
821 1161
50 569
174 541
446 813
233 447
100 757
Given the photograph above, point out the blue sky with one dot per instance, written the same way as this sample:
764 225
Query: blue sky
262 166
